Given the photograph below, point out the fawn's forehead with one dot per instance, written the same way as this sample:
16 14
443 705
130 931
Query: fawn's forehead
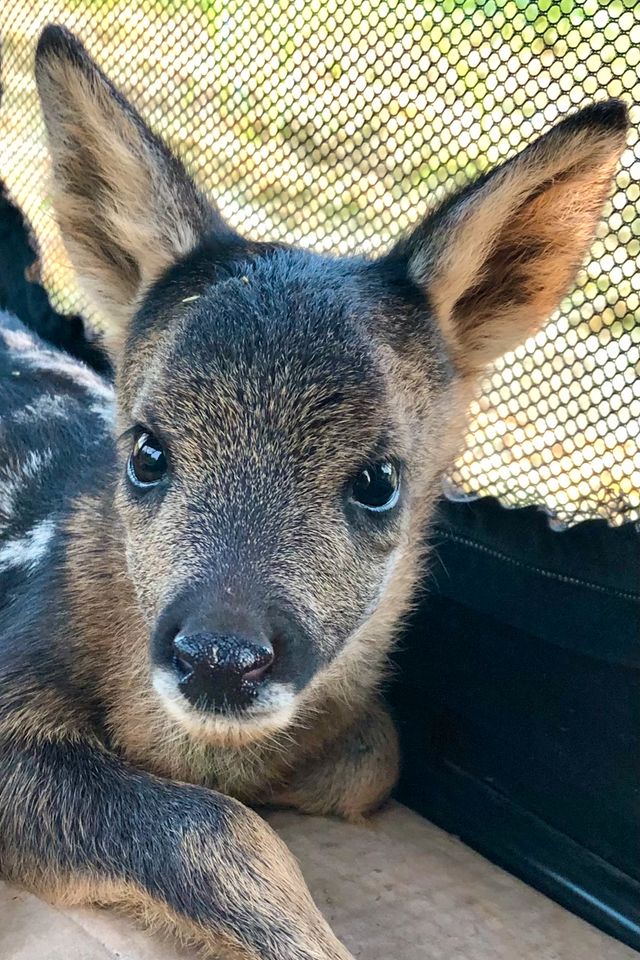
279 342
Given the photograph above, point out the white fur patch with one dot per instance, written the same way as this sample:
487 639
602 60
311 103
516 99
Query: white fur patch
44 407
106 411
56 407
14 476
28 550
42 358
272 712
78 373
18 339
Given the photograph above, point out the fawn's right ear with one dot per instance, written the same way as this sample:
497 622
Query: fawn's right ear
125 205
495 259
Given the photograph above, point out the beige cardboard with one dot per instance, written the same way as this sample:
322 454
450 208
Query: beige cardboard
399 889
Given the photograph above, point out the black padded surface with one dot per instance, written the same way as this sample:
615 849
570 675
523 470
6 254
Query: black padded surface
518 700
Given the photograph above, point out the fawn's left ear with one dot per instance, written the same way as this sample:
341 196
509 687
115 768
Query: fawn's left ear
495 260
126 207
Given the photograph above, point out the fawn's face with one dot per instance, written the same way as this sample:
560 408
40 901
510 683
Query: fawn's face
284 418
272 465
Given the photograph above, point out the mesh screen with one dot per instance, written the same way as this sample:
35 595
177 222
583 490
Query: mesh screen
335 124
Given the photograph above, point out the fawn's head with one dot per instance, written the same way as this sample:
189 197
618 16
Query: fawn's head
284 418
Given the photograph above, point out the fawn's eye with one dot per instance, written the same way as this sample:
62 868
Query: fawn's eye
377 487
147 462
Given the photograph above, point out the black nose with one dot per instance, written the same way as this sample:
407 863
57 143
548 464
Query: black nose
218 672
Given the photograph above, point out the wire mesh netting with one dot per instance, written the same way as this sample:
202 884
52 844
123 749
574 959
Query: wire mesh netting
335 124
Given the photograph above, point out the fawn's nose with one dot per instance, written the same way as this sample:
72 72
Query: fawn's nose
219 673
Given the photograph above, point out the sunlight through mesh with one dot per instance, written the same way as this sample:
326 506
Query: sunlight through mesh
335 124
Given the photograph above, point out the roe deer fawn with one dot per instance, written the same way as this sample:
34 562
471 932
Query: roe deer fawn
202 571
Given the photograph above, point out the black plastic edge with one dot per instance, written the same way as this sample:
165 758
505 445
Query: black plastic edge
527 847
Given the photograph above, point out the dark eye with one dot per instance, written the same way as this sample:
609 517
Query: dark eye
147 461
377 486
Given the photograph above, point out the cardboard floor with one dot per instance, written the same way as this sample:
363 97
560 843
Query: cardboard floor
399 889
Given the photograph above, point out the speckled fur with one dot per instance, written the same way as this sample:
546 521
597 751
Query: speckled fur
272 376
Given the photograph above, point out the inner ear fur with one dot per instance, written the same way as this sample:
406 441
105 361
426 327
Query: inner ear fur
496 259
125 205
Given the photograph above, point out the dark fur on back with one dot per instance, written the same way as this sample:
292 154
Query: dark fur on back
54 428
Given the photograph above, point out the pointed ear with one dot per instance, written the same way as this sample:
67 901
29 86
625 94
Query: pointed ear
496 259
125 205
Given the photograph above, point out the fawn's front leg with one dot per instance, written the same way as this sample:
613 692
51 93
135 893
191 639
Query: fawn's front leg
78 825
353 776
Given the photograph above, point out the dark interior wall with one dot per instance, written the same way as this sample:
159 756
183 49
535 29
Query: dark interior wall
518 701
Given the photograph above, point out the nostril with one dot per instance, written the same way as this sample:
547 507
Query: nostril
262 661
183 656
183 667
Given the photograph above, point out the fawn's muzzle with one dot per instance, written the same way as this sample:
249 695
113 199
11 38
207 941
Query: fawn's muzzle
220 673
245 654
